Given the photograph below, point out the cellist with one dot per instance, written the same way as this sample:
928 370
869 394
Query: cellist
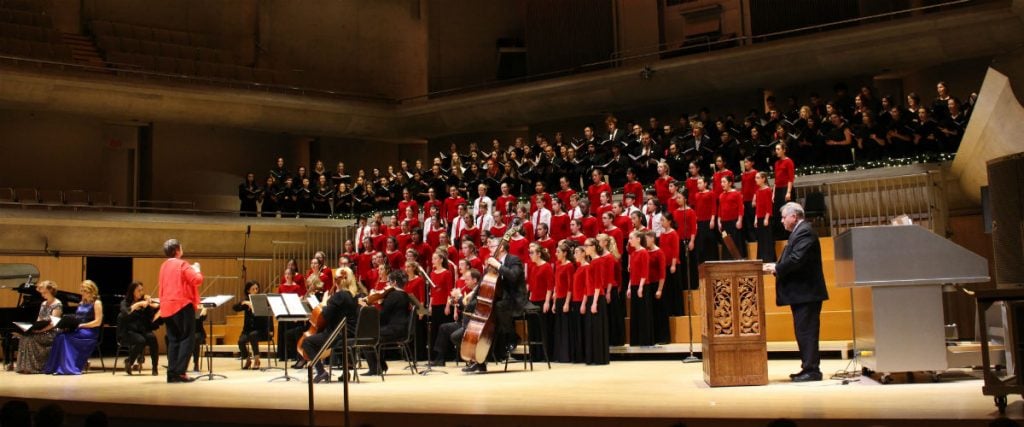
339 306
508 303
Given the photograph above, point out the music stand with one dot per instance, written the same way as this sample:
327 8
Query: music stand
212 302
286 307
342 330
261 308
689 305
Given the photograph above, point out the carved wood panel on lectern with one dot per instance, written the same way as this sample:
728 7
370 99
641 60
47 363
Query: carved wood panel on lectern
723 307
749 312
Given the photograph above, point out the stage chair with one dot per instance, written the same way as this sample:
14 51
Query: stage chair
121 349
406 345
367 338
528 343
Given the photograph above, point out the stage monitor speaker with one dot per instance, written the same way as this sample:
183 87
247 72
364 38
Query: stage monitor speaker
1006 193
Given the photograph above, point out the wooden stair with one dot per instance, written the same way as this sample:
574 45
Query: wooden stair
83 50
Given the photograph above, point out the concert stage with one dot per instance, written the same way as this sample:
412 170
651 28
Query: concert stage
634 393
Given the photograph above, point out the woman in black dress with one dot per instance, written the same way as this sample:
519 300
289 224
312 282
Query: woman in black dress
135 325
254 329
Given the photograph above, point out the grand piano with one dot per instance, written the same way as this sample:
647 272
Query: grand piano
22 278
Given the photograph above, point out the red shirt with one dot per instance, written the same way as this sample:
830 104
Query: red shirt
661 188
594 194
785 172
499 231
432 204
686 221
293 288
404 240
595 283
326 277
580 282
730 206
379 242
635 188
749 184
625 225
672 203
539 280
763 200
179 286
444 283
451 207
600 272
706 205
617 235
549 244
639 267
434 235
406 204
656 272
364 265
559 227
396 260
581 239
563 279
417 287
669 243
519 248
533 201
591 226
472 233
373 280
716 184
300 280
691 190
566 196
503 202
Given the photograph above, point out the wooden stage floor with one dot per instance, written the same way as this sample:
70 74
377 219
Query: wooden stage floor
635 393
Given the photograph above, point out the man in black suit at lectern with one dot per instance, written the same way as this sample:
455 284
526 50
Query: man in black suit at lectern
800 284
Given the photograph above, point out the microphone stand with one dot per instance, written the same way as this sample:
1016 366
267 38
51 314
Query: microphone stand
430 342
689 307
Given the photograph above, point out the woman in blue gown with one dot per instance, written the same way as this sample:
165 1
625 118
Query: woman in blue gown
71 349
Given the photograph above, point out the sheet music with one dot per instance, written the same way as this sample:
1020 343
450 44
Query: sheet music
216 300
24 326
277 305
312 300
294 304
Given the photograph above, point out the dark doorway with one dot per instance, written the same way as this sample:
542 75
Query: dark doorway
112 275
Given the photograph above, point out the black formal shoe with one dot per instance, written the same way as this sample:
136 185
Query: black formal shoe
322 377
475 368
128 367
299 364
180 379
791 376
807 377
155 373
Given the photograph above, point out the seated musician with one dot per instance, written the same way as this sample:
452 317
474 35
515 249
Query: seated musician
139 317
449 335
34 347
339 306
394 317
510 302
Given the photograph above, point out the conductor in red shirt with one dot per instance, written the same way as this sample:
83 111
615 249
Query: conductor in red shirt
179 298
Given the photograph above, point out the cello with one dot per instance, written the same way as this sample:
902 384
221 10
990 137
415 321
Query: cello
316 323
479 335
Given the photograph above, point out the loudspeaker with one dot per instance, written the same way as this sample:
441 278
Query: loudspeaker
1005 176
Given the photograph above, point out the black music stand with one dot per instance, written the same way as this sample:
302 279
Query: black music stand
342 330
212 302
430 339
285 311
689 306
261 308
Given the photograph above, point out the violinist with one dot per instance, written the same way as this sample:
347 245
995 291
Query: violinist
339 306
254 328
394 317
136 322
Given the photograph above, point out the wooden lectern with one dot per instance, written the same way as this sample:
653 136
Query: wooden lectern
733 331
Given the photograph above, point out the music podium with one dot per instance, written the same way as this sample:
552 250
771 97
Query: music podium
735 350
